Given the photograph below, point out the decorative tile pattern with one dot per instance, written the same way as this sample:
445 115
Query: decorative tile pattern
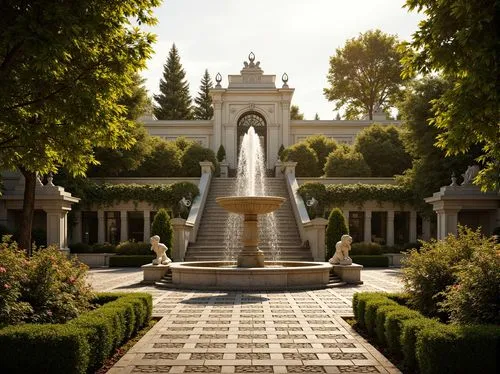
358 369
202 369
151 369
160 356
347 356
305 369
253 369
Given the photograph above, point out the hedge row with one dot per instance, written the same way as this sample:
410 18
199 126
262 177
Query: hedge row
371 261
423 343
79 346
130 261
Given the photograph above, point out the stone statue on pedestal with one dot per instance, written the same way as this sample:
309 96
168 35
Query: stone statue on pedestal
160 249
342 249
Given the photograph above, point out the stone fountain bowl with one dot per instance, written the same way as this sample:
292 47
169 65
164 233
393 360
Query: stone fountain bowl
250 204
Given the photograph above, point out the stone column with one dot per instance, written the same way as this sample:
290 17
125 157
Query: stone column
368 226
447 220
56 233
217 102
181 238
77 228
285 108
390 228
413 226
426 228
101 227
315 234
345 212
124 226
147 225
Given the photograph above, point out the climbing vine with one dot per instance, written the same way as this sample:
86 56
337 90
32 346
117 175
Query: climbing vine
336 195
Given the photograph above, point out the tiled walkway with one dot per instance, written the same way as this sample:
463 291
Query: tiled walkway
250 332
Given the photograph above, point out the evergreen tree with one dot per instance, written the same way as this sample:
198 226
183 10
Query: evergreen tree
295 113
316 117
174 101
163 228
203 108
334 231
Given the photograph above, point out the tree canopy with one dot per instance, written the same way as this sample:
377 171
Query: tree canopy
63 68
174 100
383 150
204 108
459 39
365 74
346 162
295 113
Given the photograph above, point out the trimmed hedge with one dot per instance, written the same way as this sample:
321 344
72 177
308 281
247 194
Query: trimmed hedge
133 248
365 248
426 345
371 261
130 261
78 346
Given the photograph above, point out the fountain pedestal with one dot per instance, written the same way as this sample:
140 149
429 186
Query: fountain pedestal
250 206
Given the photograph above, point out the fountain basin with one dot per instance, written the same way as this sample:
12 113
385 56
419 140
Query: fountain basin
250 204
278 275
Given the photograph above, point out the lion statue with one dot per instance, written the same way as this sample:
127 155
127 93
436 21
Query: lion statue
342 249
160 249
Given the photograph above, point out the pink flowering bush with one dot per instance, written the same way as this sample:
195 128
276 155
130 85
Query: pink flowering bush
46 288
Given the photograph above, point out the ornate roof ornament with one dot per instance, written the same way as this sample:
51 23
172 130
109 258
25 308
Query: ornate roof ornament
251 64
284 78
218 79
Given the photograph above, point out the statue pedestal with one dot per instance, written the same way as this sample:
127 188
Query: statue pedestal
252 259
153 273
349 273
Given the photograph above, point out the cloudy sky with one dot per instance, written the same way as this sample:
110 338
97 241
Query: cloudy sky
292 36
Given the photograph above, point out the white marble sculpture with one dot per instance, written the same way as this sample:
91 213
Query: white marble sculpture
160 249
342 249
469 175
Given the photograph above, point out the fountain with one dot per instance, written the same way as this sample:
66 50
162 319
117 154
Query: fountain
250 271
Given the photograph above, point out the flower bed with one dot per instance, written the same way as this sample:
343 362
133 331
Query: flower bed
79 346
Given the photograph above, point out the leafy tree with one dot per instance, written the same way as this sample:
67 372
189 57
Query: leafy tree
192 156
174 100
323 146
346 162
203 108
383 150
316 117
307 161
334 231
162 227
431 168
365 74
164 160
337 117
221 153
459 39
64 67
295 114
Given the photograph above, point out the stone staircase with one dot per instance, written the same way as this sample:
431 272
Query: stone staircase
209 244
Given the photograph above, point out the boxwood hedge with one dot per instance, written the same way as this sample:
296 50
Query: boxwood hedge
79 346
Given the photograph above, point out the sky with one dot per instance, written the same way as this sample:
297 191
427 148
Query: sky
293 36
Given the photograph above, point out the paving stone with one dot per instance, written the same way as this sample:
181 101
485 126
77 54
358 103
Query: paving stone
305 369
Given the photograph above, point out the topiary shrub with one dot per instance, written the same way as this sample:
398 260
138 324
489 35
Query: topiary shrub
334 231
133 248
344 162
380 316
372 304
374 261
365 248
307 161
162 227
103 248
130 260
280 152
393 325
432 270
80 248
191 158
163 161
410 329
221 153
322 146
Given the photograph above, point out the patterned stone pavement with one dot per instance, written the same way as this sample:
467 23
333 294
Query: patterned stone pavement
250 332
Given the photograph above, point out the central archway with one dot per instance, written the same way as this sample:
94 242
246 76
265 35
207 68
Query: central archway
256 120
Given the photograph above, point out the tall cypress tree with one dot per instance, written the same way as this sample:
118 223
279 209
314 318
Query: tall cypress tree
203 108
174 101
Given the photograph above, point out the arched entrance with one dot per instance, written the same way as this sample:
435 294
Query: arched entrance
256 120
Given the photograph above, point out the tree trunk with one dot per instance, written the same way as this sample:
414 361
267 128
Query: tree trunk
28 210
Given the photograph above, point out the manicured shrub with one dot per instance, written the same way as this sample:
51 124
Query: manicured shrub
402 298
162 227
163 161
104 248
133 248
130 261
364 248
475 296
372 305
334 231
393 325
380 316
458 349
371 261
221 153
280 152
307 161
191 158
80 248
410 329
359 305
429 272
344 162
322 146
33 349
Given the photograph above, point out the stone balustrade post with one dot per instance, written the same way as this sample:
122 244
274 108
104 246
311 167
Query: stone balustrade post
315 235
182 231
288 168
